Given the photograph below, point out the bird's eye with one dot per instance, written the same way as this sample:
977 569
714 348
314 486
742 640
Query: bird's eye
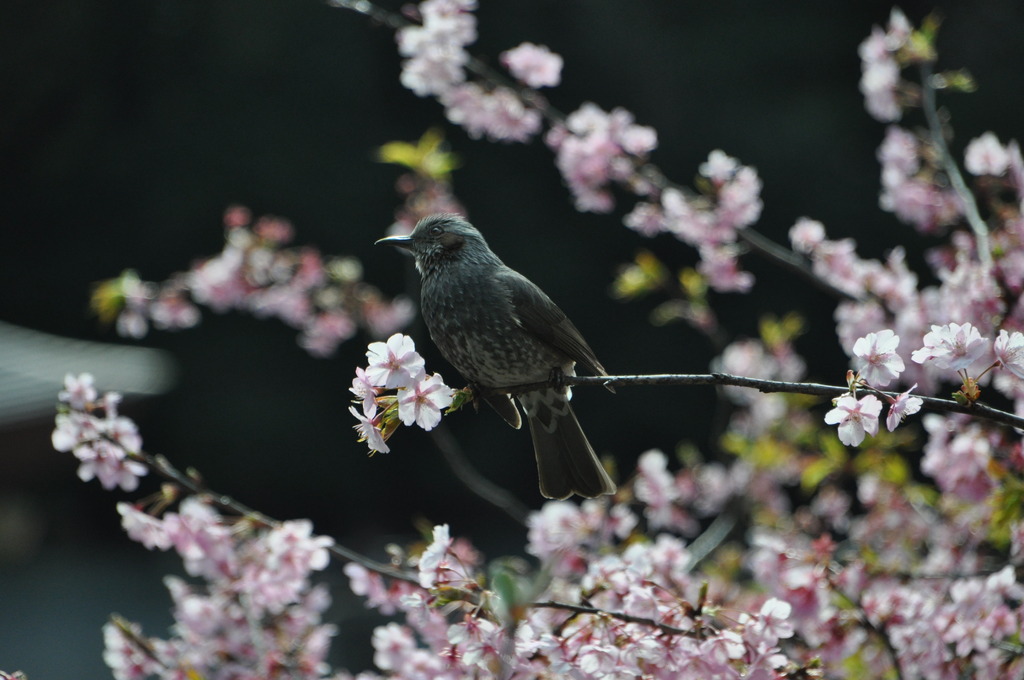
436 231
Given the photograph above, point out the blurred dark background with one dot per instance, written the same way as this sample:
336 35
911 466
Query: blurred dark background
127 126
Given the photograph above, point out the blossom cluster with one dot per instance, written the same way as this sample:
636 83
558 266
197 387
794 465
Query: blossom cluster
436 65
650 612
325 299
647 613
254 614
103 441
710 222
418 400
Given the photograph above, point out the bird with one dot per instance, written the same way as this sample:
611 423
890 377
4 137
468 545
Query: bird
499 329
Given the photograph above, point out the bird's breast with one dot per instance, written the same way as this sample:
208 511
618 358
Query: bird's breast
472 321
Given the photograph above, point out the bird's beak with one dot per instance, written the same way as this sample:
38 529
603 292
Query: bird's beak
399 241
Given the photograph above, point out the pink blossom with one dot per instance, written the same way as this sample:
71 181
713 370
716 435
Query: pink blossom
394 363
202 539
720 266
368 429
899 151
436 48
1009 350
365 390
172 310
719 167
124 657
278 563
423 402
78 391
879 351
902 406
958 458
656 488
322 334
739 199
434 560
986 156
535 65
219 282
806 235
498 114
880 78
952 346
855 417
646 219
143 527
594 148
383 318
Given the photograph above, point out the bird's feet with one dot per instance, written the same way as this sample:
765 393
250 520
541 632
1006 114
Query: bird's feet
557 379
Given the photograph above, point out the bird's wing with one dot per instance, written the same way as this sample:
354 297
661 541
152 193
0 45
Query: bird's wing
536 313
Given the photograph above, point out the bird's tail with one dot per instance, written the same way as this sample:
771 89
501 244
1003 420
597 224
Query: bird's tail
566 463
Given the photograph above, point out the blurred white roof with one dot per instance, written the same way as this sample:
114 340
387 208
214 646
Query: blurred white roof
33 365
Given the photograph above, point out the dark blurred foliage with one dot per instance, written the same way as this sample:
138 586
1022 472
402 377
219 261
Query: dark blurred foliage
128 125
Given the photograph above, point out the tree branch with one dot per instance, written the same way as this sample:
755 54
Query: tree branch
628 618
976 410
497 496
931 114
160 465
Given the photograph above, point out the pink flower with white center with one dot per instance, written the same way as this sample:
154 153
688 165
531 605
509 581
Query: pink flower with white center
143 527
986 156
1009 350
535 65
364 390
394 363
855 417
879 351
953 346
78 391
368 430
902 406
422 403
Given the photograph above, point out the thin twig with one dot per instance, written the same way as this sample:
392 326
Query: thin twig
628 618
163 467
879 629
787 259
977 410
931 114
498 496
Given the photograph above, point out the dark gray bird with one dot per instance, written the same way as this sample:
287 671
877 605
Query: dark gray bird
498 329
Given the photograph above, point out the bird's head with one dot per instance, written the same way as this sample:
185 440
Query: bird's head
442 238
